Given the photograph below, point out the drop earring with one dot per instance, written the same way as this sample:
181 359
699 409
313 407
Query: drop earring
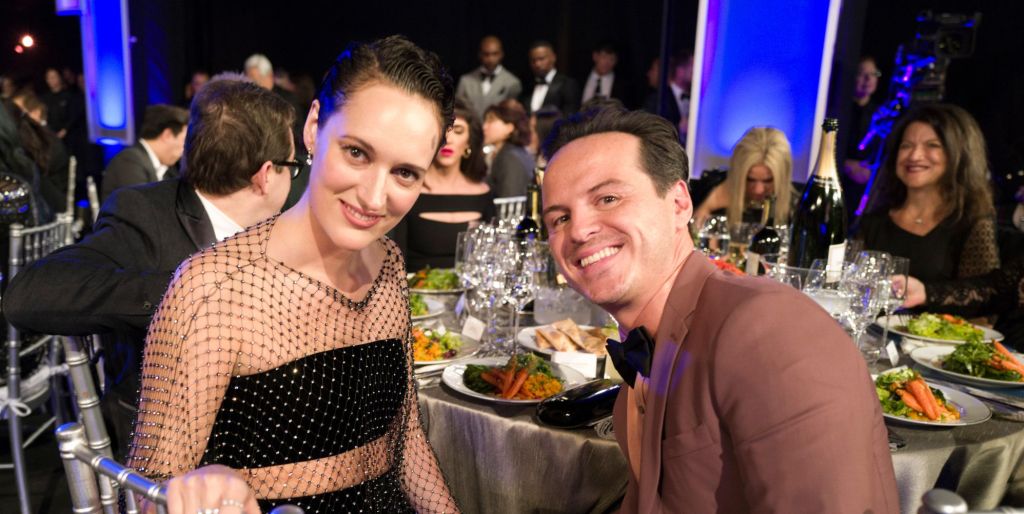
309 157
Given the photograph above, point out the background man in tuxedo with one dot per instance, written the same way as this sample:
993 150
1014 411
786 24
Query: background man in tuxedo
491 82
677 101
731 406
602 81
550 87
236 174
153 157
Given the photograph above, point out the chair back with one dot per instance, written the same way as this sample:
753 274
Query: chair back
510 207
72 165
94 197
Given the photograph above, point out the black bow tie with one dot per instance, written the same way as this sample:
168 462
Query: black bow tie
540 80
632 356
487 76
685 95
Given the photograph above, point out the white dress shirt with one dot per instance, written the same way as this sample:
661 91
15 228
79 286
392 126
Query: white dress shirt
682 103
540 91
161 170
590 89
223 225
485 84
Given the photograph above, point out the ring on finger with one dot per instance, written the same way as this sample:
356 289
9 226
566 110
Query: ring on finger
214 510
231 502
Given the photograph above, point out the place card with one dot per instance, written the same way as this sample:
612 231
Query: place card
892 352
585 363
473 328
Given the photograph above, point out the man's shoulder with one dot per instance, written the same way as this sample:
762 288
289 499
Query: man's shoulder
470 76
134 152
150 197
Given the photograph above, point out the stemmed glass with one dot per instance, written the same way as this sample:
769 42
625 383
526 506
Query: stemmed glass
861 281
899 267
526 263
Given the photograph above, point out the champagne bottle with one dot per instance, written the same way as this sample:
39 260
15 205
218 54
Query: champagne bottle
532 226
765 241
819 223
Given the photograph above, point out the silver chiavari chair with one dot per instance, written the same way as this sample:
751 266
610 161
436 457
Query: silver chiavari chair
510 207
26 246
77 354
94 197
941 501
82 464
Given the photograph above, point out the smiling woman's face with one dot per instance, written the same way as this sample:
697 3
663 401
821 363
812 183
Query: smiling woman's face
369 160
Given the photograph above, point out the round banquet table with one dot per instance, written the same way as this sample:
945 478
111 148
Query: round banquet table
499 459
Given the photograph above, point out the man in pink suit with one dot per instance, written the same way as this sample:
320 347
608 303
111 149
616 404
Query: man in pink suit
745 396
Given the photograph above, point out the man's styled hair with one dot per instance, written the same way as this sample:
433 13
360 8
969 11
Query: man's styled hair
661 156
541 43
236 126
160 117
392 60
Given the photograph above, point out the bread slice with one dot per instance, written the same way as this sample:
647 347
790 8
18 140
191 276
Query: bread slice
557 339
542 341
570 329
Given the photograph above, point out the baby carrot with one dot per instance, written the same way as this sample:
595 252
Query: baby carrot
517 384
917 388
1002 349
931 397
909 400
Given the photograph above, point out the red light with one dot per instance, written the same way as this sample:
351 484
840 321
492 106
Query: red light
19 49
27 41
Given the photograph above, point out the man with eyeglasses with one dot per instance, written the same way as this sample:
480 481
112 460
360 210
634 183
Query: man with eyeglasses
238 165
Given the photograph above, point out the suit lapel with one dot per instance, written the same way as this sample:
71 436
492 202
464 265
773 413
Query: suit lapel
666 370
551 97
193 218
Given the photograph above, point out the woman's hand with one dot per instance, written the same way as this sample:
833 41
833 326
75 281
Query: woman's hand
916 294
212 489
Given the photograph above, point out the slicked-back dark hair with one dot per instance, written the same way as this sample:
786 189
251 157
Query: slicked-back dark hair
235 127
661 156
393 60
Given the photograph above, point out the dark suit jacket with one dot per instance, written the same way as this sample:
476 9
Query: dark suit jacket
130 167
672 108
112 281
757 402
563 92
621 90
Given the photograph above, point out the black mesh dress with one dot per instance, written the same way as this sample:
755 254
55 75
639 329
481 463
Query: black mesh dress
256 366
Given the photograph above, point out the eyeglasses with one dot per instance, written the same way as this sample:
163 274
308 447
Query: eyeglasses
294 167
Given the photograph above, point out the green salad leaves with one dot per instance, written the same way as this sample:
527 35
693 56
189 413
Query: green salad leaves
943 326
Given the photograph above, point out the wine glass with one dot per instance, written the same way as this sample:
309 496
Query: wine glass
825 292
713 238
862 284
522 280
899 268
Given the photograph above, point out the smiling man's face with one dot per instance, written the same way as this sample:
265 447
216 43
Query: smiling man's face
614 237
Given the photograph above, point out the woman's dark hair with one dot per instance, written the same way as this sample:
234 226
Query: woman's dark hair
474 167
964 186
31 134
393 60
511 111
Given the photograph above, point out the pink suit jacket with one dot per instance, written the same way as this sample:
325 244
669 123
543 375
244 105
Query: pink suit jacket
758 402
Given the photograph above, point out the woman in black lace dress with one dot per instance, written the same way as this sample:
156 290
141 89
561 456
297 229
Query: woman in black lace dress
933 203
284 352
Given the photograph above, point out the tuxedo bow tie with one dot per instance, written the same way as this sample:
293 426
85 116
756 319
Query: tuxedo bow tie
487 76
632 356
540 80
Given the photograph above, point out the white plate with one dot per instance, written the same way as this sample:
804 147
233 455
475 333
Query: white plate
931 357
468 349
452 376
972 410
898 325
527 338
435 308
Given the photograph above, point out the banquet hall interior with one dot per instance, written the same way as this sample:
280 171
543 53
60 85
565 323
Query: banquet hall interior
768 102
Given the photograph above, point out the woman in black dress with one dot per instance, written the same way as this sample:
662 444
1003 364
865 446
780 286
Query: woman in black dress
454 196
933 203
284 352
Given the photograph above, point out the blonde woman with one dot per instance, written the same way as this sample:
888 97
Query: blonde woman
761 166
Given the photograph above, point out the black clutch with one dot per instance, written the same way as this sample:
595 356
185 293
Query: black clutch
580 406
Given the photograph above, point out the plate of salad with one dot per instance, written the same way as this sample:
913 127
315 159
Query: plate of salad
437 345
423 308
521 380
434 281
937 328
907 398
974 362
